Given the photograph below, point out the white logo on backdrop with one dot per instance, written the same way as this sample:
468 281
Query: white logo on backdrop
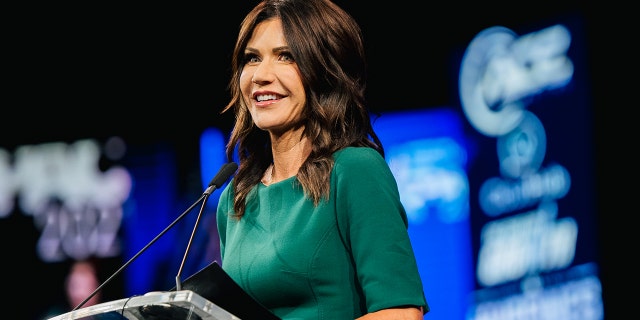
77 206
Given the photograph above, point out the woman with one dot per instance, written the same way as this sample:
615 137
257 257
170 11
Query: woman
311 225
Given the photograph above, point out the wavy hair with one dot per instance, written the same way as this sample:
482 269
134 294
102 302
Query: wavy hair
327 45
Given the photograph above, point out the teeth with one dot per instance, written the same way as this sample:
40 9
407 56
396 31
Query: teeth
266 97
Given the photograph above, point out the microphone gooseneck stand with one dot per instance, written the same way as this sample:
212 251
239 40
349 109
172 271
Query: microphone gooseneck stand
223 175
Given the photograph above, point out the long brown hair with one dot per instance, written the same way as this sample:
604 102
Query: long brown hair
327 44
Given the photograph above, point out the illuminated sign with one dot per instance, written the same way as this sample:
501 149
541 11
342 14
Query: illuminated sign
76 206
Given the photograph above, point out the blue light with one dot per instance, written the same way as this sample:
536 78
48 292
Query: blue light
428 154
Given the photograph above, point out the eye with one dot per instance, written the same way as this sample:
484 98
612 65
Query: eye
250 58
286 57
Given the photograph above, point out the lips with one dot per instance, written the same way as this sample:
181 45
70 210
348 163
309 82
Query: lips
265 97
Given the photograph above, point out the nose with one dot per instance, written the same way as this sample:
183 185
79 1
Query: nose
263 73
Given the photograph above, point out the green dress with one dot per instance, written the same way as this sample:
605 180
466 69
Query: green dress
346 257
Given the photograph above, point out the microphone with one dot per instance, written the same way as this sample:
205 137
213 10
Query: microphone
225 172
221 177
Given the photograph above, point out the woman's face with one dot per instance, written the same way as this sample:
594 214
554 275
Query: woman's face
270 80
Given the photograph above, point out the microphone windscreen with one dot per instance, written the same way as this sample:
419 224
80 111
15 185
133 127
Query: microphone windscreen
223 175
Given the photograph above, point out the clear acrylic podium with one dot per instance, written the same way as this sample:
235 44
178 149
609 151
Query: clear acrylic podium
183 304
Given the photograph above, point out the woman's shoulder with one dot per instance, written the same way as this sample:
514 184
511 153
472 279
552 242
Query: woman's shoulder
356 154
358 158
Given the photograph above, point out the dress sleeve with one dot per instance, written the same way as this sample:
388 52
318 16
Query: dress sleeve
373 223
224 208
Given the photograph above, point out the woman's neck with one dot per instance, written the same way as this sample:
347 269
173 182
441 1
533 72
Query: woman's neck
288 156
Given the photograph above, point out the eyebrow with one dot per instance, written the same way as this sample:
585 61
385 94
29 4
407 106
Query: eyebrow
280 49
276 49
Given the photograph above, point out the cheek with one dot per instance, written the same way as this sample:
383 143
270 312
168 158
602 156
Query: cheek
293 80
245 82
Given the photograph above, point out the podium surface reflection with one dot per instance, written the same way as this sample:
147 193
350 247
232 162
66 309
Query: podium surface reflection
183 304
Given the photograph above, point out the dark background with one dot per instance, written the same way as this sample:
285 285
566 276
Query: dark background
161 71
158 72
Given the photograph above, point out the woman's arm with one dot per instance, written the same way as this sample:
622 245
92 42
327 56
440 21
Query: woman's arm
409 313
